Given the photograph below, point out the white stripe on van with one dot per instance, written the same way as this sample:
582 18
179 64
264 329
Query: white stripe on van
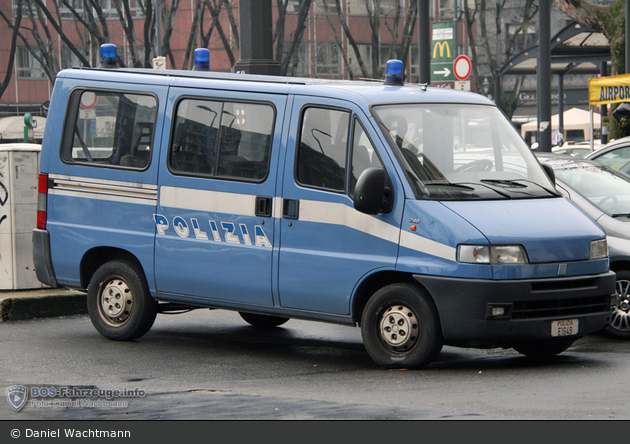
422 244
210 201
309 211
130 192
61 178
340 214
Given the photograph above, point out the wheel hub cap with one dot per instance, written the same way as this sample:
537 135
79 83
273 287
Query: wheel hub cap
621 313
399 327
116 300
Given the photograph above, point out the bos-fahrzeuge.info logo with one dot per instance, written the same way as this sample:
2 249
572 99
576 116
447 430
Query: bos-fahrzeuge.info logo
17 396
47 397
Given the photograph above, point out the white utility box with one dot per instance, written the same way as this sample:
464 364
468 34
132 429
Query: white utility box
19 169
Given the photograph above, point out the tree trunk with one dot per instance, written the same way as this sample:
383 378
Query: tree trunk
611 21
15 27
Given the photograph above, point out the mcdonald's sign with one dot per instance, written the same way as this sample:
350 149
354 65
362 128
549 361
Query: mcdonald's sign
443 47
442 52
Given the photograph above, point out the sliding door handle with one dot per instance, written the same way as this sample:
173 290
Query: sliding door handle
290 208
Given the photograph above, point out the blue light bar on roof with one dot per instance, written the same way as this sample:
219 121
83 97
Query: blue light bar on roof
394 72
202 60
109 56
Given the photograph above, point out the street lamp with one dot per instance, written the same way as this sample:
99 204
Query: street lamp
158 30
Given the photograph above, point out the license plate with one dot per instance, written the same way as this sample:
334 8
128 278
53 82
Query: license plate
566 327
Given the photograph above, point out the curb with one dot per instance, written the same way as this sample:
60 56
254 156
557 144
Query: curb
44 303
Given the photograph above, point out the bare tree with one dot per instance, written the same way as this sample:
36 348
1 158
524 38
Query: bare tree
36 38
167 15
289 58
377 14
609 20
198 8
355 47
15 27
127 23
485 26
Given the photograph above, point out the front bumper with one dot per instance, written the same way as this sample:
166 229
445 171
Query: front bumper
529 305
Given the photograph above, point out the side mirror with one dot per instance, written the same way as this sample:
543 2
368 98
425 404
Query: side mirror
549 172
371 195
534 146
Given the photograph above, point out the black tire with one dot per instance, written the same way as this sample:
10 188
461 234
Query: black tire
410 311
620 324
119 303
543 349
263 321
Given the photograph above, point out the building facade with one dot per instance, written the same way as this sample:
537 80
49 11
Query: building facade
338 38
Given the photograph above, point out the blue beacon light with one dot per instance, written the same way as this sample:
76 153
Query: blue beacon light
108 56
202 60
394 72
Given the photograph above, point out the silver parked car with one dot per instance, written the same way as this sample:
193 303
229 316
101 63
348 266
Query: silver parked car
604 193
615 154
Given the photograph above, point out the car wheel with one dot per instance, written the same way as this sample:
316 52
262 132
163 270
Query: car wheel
263 321
119 303
543 349
620 324
401 328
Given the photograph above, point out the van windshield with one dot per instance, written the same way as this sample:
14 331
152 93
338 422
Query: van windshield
462 152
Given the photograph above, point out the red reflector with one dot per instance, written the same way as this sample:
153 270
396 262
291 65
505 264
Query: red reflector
42 184
42 190
41 220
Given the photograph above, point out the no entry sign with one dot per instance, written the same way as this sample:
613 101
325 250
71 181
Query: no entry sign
462 67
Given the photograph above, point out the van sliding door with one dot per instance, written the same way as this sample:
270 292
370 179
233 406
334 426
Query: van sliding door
215 231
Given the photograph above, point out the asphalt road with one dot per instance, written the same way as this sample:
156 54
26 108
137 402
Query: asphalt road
212 365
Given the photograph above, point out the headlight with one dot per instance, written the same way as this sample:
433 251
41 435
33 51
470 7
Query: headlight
599 249
473 254
494 254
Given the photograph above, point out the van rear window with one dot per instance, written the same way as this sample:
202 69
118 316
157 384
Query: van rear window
109 128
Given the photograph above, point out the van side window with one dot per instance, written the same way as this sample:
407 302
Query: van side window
364 155
109 128
219 139
322 150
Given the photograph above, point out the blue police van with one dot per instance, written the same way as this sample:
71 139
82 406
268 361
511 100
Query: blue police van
416 213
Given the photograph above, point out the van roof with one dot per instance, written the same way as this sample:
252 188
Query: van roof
372 90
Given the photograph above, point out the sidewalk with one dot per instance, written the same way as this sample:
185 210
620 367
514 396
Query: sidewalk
17 305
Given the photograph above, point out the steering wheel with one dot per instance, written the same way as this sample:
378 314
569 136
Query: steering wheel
476 165
607 198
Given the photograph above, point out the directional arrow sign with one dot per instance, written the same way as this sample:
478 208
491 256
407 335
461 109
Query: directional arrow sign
442 51
444 72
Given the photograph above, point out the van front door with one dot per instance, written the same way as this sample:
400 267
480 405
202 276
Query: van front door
327 246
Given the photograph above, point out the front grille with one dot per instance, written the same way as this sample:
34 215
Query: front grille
562 284
552 308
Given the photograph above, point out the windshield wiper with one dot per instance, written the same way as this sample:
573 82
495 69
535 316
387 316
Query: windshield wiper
516 183
626 215
504 182
454 185
468 186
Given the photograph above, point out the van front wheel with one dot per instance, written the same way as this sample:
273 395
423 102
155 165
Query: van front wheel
401 327
119 303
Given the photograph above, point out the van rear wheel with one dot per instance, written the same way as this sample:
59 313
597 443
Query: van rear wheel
401 327
119 303
263 321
